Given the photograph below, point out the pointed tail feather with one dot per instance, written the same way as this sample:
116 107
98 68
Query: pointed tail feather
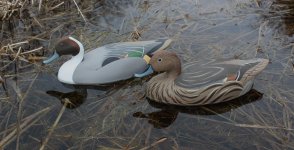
166 43
251 73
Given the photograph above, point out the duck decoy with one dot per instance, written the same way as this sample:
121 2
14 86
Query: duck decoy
199 82
106 64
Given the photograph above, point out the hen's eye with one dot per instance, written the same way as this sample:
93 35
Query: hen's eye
159 60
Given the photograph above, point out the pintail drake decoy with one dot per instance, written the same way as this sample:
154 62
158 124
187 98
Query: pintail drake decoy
106 64
199 82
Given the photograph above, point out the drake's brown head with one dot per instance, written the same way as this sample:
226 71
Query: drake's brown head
67 46
165 61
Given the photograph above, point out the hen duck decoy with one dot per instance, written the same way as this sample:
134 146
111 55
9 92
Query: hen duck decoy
199 82
106 64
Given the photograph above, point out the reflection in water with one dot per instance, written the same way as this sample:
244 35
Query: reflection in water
79 95
159 119
168 113
75 98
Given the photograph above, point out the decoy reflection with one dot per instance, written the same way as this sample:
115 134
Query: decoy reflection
79 95
168 113
75 98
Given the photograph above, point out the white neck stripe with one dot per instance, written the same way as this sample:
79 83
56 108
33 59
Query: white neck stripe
66 71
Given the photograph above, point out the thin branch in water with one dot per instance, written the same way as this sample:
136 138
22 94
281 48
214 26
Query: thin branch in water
155 143
26 124
33 50
80 11
55 124
40 5
54 7
20 105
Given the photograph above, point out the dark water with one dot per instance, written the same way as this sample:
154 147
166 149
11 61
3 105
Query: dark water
120 117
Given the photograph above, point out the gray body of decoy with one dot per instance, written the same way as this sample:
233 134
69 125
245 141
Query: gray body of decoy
107 64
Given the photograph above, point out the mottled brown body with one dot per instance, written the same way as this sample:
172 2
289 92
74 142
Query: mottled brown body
166 87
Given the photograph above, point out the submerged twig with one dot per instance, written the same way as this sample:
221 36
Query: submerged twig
26 124
40 5
155 143
56 6
80 11
20 105
257 2
55 124
31 51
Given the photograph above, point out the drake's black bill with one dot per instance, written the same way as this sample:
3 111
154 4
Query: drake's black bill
52 58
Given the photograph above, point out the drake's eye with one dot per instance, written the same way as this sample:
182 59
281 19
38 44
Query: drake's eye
159 59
